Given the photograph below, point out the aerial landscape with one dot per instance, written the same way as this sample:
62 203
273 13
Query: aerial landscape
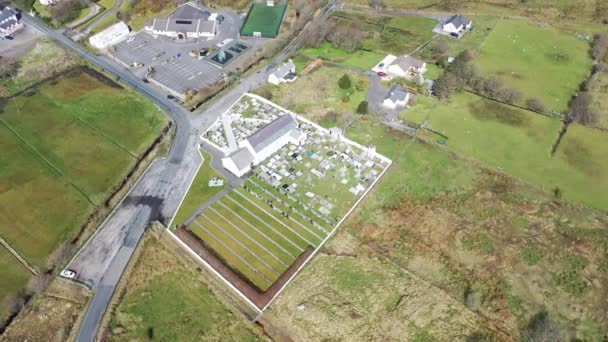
304 170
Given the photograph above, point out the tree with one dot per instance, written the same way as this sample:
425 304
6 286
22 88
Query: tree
511 95
536 105
377 4
541 329
445 85
491 87
344 82
580 109
600 46
362 108
66 10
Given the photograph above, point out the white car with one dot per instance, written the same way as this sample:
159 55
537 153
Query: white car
69 274
130 39
223 42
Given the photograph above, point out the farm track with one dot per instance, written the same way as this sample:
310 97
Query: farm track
18 256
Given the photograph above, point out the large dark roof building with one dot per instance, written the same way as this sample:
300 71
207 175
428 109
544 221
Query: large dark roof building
188 21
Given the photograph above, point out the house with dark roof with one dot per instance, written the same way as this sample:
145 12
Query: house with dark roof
10 21
187 22
284 73
456 25
263 143
397 97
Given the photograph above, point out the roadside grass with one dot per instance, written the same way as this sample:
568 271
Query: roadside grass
168 299
360 59
541 62
14 278
519 142
86 142
200 191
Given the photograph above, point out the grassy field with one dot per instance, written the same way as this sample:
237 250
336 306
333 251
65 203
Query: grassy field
264 19
317 92
200 191
390 34
61 164
519 143
541 62
167 299
43 60
14 279
358 59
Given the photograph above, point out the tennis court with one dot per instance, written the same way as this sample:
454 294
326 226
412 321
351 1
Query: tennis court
263 20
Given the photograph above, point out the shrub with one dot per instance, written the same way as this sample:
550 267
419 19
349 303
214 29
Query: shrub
362 108
536 105
345 99
344 82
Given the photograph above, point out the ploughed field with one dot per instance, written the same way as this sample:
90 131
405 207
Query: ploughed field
66 144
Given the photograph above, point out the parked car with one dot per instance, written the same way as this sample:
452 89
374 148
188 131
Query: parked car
381 73
9 37
130 39
69 274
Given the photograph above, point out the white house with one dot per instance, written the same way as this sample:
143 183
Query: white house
263 143
456 25
285 73
403 66
188 21
10 21
48 2
110 36
397 97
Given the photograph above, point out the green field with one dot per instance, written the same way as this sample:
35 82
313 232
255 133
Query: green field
63 151
359 59
168 300
519 142
14 277
264 19
200 191
542 62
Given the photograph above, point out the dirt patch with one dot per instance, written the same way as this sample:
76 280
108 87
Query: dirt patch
260 299
52 316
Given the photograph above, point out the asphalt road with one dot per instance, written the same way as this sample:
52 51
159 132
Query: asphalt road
157 195
107 14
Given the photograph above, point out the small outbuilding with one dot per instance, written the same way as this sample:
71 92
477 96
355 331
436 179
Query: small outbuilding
110 36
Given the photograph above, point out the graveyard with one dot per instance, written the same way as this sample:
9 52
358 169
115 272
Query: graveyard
289 202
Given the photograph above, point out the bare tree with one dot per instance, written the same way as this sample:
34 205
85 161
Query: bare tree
542 329
536 105
600 46
511 95
491 87
580 110
66 10
377 4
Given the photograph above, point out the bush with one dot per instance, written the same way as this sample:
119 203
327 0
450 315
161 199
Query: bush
345 99
344 82
362 108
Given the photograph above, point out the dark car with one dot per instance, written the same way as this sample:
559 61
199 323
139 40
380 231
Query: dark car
9 37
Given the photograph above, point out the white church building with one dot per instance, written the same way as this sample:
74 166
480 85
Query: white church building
263 143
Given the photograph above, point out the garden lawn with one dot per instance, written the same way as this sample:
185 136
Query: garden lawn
519 142
200 191
360 59
64 149
541 62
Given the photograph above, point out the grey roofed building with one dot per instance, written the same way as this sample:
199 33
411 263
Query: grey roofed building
266 135
396 94
406 62
9 21
188 21
457 20
242 158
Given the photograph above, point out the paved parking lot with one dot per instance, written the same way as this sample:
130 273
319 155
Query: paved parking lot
173 66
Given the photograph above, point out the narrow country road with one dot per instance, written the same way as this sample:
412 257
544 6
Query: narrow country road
109 12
